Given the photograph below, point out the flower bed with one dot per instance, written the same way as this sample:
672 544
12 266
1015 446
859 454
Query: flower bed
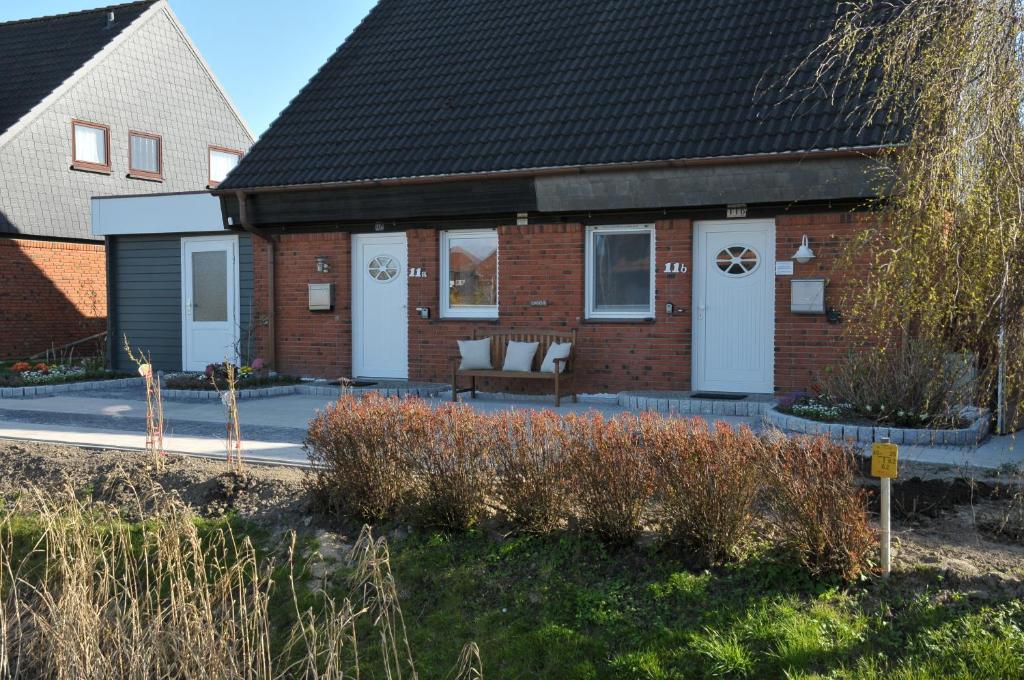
214 378
827 410
26 374
975 428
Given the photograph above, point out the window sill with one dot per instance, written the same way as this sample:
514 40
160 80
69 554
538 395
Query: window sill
473 319
645 320
90 168
145 178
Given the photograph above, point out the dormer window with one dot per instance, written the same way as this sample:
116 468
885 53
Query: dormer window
145 155
90 146
222 161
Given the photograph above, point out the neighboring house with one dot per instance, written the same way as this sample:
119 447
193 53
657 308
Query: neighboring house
645 172
111 101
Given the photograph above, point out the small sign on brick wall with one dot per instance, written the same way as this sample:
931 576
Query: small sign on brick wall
784 268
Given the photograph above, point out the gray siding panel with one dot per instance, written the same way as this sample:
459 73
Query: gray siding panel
147 297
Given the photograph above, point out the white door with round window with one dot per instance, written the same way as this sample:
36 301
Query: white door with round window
734 306
380 297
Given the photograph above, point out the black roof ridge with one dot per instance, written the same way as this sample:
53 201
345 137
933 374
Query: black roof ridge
51 17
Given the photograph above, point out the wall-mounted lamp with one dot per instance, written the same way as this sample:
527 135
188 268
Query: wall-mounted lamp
322 267
804 254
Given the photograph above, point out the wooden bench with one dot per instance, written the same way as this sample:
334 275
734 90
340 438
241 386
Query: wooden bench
499 343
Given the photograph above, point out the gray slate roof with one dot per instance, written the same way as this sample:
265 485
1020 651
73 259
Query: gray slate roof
37 55
442 87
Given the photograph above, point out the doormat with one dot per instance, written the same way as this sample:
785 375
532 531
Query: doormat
356 383
717 395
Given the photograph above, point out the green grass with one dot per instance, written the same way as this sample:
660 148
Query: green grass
565 606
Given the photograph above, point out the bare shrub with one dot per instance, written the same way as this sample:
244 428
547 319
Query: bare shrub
611 478
359 449
708 482
452 468
530 466
818 510
913 383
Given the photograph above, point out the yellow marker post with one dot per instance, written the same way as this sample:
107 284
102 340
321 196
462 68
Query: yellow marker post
885 465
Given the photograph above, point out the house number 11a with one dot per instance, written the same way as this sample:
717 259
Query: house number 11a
417 273
675 268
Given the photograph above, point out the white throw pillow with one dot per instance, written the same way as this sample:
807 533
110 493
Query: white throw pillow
519 356
557 350
476 354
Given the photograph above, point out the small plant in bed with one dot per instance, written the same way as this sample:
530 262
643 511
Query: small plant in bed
914 384
215 377
28 373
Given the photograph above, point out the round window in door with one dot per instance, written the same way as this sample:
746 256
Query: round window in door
737 260
383 268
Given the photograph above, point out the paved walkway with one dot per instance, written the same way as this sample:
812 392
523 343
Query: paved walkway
273 428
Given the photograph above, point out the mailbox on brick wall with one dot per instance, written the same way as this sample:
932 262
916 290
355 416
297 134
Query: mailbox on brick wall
321 297
807 296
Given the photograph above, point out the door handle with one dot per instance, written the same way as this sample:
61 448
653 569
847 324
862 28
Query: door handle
700 311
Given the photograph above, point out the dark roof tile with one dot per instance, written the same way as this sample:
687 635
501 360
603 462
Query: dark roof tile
38 55
440 87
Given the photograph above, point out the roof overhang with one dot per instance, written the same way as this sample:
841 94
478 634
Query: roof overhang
156 214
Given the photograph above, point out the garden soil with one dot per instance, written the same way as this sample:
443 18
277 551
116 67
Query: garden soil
971 529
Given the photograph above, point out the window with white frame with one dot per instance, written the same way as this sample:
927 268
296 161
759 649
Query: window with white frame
222 161
469 274
620 272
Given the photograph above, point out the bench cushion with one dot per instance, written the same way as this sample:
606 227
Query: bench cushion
557 350
476 354
519 356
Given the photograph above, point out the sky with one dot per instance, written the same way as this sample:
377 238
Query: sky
262 51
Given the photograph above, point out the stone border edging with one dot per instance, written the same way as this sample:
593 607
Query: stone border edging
305 389
63 388
867 434
696 407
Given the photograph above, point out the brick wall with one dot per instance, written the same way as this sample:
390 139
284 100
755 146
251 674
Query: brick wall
546 262
51 294
307 343
806 344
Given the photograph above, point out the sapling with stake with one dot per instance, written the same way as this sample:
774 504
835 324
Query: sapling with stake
229 397
154 405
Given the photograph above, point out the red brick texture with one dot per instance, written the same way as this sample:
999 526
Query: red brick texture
806 344
545 262
51 294
307 343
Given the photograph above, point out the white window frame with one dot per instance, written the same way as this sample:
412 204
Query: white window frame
466 311
590 272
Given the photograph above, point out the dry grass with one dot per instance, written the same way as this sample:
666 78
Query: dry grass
96 597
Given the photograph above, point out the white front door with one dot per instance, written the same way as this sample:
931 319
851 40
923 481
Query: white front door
209 297
380 296
734 306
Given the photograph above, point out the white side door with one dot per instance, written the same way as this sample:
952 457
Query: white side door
734 306
209 297
380 297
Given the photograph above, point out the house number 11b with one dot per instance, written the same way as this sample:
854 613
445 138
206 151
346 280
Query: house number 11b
675 268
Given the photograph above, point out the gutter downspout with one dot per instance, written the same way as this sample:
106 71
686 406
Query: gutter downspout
271 318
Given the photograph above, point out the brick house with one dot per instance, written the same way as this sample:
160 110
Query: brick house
644 173
115 100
